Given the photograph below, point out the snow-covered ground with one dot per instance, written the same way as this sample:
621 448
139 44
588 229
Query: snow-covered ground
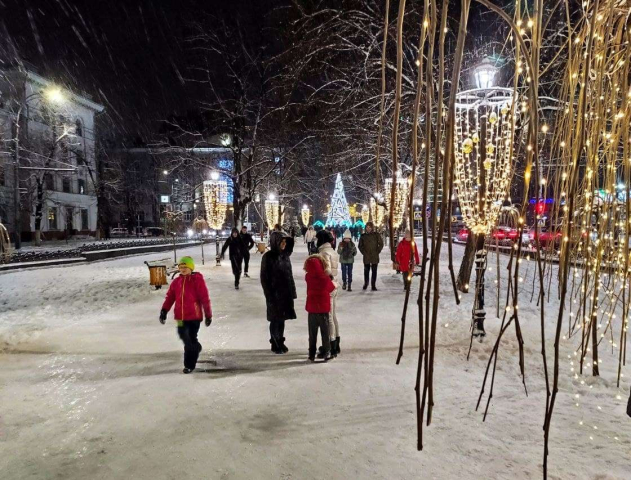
91 388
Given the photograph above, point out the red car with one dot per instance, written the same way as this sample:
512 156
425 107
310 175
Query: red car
546 236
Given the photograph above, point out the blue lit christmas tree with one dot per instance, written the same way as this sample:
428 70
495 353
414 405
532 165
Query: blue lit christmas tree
339 213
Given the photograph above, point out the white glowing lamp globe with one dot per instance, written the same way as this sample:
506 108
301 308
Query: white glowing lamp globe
485 73
214 176
271 197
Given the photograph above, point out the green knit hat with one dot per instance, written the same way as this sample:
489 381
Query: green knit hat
188 261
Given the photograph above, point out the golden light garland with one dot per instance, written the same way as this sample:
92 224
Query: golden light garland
216 202
306 214
271 212
594 183
377 212
365 214
400 199
484 120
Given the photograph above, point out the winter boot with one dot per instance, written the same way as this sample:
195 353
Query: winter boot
188 370
246 275
349 289
282 346
344 286
333 349
312 355
275 347
373 288
365 286
337 346
328 356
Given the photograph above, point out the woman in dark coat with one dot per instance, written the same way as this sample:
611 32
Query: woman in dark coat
279 288
236 251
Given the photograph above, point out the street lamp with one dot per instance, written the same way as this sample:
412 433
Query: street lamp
54 95
484 73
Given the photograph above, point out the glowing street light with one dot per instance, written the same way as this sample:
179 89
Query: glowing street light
485 73
54 95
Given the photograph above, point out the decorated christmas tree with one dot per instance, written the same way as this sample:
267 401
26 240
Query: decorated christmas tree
339 213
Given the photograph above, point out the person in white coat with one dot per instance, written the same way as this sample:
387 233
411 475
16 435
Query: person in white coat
325 248
310 237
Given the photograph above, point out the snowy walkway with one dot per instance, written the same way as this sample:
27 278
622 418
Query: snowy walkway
91 388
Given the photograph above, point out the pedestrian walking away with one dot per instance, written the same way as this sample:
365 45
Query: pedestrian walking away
347 251
236 252
248 243
319 288
370 246
325 248
279 288
404 262
310 238
190 295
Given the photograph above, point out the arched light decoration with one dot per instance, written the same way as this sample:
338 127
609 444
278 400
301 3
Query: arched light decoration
215 201
483 138
400 199
485 73
365 214
271 210
305 213
377 212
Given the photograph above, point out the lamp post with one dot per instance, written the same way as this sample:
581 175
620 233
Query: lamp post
483 138
53 95
305 212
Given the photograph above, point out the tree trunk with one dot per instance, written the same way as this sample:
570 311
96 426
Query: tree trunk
474 243
39 207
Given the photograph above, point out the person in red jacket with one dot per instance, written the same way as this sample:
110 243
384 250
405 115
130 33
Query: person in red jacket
319 288
403 258
190 295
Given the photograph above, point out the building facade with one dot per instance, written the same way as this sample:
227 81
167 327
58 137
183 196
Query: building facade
54 129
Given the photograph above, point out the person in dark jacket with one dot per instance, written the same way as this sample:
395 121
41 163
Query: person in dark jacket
236 253
370 245
279 288
248 243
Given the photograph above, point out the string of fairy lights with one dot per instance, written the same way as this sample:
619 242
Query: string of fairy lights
215 202
482 179
400 197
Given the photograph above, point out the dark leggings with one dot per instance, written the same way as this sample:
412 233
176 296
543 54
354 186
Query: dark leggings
367 268
246 261
277 331
188 334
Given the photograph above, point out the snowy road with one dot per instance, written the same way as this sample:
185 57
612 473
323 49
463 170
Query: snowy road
91 388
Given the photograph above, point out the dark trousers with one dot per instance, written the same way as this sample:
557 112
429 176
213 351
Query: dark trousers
236 269
277 331
347 272
246 261
188 334
318 321
367 268
310 247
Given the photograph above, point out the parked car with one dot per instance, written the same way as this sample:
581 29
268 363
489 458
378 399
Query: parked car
154 232
546 236
118 232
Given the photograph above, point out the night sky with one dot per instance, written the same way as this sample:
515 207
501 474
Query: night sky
131 55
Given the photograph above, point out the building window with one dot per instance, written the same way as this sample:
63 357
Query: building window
78 129
50 182
52 218
85 219
67 187
188 216
81 186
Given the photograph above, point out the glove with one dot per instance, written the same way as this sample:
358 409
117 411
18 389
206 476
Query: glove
163 316
209 320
